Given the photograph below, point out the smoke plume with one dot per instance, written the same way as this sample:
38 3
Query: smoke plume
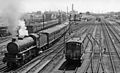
10 10
22 30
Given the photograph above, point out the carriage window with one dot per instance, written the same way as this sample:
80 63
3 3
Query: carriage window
78 45
69 45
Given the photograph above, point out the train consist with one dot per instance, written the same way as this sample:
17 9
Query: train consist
36 25
33 28
74 49
21 51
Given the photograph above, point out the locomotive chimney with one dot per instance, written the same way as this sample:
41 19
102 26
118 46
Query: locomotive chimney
17 33
13 39
20 37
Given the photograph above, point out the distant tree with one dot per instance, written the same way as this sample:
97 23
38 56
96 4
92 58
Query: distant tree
88 13
39 12
80 13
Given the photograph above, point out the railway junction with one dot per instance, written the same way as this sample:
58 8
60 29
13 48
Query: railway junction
61 42
100 41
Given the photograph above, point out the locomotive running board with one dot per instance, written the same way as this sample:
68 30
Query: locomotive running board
27 49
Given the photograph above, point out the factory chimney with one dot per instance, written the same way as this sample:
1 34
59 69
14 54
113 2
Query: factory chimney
67 9
72 7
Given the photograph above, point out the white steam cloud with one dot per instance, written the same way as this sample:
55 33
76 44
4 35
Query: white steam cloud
22 30
10 10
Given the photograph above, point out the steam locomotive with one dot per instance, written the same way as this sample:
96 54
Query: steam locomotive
21 51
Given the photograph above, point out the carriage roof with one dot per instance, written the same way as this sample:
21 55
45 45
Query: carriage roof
76 40
53 29
41 23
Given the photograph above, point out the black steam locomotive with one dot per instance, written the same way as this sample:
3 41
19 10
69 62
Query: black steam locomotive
22 50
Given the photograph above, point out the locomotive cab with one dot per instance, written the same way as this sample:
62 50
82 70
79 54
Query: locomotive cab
74 49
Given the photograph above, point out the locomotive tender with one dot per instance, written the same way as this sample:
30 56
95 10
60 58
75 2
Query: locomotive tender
22 50
74 49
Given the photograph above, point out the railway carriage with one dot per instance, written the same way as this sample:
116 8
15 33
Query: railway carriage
54 33
74 49
35 27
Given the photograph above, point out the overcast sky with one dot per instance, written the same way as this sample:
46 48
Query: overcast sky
98 6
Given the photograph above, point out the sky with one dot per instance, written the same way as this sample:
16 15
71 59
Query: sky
97 6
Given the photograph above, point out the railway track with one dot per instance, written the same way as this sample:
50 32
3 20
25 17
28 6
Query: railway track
29 63
93 65
114 35
69 65
35 60
4 39
24 67
88 61
100 61
50 61
52 65
3 44
98 54
114 58
27 67
74 71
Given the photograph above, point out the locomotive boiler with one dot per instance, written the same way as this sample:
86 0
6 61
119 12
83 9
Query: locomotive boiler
18 50
20 44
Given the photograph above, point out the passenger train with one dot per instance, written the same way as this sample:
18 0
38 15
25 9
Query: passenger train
21 50
35 27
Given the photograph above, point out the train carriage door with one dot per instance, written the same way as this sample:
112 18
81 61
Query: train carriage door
68 50
48 40
39 40
82 48
77 50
